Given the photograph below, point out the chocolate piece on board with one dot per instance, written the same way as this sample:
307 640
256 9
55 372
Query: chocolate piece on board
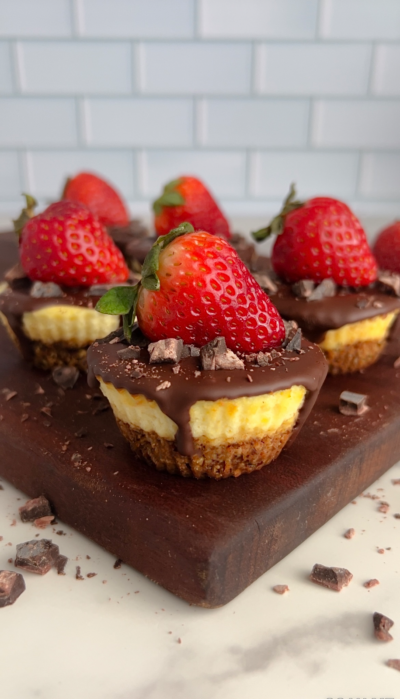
12 585
165 351
37 556
280 589
326 289
303 289
35 509
65 376
332 578
60 564
352 403
382 624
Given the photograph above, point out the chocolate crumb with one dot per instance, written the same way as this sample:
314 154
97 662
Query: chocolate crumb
228 379
91 575
46 410
352 403
394 663
9 394
382 624
78 574
384 507
39 390
303 289
332 578
280 589
249 378
381 551
118 564
397 363
325 289
371 583
61 562
35 509
349 534
12 585
43 522
24 417
115 340
176 369
294 345
108 445
76 459
65 376
37 556
162 386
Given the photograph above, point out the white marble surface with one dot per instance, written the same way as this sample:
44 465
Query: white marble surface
66 638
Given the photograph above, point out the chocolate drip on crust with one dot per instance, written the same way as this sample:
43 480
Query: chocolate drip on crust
317 317
191 384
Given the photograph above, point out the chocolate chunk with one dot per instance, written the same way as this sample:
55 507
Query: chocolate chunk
280 589
45 290
12 585
166 351
136 373
37 556
382 624
303 289
352 403
78 574
394 663
117 564
190 351
131 352
176 369
215 355
266 283
34 509
350 534
389 282
294 345
116 340
332 578
65 376
43 522
371 583
60 564
324 290
263 358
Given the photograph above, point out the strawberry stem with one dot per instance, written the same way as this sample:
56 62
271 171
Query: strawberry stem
122 300
277 223
169 197
26 214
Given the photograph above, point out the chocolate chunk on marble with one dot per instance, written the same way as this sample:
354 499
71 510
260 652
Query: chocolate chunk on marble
60 563
131 352
382 624
215 355
266 282
352 403
281 589
12 585
165 351
35 509
325 290
37 556
45 290
371 583
65 376
332 578
389 282
303 289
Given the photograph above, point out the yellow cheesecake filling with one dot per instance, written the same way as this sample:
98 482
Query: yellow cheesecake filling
221 421
371 329
74 326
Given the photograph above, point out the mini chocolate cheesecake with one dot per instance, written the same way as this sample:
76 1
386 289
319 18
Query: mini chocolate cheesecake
351 326
207 412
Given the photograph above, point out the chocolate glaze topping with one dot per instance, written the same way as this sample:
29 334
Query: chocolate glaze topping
190 385
348 306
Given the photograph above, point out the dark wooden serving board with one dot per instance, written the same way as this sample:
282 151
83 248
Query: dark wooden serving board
204 541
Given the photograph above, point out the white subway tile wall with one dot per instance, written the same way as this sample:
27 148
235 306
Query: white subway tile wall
249 95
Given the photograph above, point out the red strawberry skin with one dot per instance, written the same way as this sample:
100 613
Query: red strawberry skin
102 199
323 239
206 291
67 245
387 248
199 208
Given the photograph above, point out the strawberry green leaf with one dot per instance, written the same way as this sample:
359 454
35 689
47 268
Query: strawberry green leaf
150 278
118 300
277 223
26 214
169 197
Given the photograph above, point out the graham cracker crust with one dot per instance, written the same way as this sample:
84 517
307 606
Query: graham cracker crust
209 461
350 358
48 357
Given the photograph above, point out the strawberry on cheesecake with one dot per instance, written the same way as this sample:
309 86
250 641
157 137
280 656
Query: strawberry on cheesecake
326 279
67 261
209 382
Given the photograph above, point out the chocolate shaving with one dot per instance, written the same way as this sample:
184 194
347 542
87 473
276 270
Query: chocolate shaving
382 624
37 556
78 574
397 363
65 376
263 358
266 283
45 290
35 509
303 289
12 585
165 351
215 355
326 289
130 352
332 578
352 403
389 282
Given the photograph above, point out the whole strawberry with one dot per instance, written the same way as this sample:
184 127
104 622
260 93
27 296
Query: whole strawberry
67 245
195 287
187 199
320 239
99 196
387 248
